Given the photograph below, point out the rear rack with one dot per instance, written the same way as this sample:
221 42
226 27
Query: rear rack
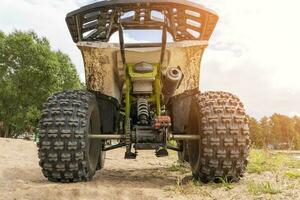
184 20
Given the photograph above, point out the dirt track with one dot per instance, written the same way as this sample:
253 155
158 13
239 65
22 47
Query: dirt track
145 178
21 177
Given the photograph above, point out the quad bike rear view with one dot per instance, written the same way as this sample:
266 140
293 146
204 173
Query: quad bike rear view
142 95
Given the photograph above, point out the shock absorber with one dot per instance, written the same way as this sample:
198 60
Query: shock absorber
143 111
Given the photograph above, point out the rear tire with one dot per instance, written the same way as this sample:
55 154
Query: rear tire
65 151
222 151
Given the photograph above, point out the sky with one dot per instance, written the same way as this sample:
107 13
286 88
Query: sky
253 53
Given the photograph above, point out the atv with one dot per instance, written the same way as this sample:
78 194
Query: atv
141 96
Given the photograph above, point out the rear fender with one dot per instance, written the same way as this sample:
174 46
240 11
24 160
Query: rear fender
179 108
109 112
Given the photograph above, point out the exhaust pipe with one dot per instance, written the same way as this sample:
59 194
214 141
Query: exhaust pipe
171 82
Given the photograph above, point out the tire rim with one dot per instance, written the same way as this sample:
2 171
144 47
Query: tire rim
93 144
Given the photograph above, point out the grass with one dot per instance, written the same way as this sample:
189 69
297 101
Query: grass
179 167
262 188
192 187
262 160
293 174
269 173
225 183
175 168
259 161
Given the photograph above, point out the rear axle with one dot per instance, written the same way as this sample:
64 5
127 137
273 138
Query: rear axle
171 137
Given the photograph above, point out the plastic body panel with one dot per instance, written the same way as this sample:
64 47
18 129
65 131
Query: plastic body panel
105 72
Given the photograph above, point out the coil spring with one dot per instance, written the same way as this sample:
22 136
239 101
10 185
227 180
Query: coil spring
143 110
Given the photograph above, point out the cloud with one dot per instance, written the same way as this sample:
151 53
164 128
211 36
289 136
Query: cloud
254 51
250 83
263 30
254 54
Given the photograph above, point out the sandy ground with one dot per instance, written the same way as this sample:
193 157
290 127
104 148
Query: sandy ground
147 177
21 177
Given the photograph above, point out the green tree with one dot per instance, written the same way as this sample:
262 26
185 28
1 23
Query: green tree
279 131
283 130
265 130
29 73
256 136
297 132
